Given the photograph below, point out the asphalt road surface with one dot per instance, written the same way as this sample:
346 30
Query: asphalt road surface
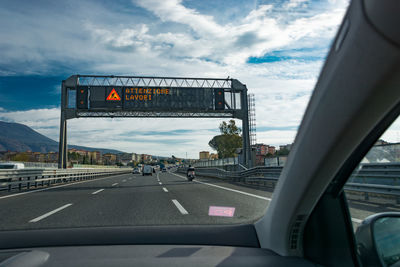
128 199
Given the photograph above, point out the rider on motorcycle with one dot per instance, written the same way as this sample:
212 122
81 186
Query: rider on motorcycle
190 169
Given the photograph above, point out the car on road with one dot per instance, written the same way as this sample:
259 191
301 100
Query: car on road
136 170
164 170
147 170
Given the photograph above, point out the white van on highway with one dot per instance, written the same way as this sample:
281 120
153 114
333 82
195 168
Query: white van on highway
11 166
147 170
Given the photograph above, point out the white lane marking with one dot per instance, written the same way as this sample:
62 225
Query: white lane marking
179 206
165 189
158 178
160 183
98 191
392 208
229 189
114 184
356 220
123 181
58 186
50 213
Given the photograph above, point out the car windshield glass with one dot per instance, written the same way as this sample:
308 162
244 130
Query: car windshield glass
90 90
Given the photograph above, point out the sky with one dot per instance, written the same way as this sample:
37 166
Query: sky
277 48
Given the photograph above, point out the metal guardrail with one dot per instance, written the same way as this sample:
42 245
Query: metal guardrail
28 178
374 178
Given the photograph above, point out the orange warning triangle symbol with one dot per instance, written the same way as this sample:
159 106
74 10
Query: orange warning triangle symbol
113 96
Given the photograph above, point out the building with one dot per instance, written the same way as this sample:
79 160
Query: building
260 151
52 157
125 158
109 159
94 157
204 155
213 156
146 158
136 157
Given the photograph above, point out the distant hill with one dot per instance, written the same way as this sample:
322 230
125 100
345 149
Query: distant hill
19 137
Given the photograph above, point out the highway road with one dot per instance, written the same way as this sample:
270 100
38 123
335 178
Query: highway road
128 199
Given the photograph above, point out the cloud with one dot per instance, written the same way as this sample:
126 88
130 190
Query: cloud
295 3
169 38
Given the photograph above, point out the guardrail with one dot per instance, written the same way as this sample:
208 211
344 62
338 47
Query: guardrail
375 178
28 178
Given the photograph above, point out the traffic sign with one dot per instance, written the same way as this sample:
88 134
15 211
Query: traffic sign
113 96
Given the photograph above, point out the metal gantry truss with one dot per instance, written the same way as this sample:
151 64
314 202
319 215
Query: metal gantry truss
150 114
134 81
252 119
235 92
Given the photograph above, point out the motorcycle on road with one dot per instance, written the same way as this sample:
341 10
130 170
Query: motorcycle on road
190 174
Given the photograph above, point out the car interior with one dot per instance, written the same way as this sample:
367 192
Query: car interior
307 223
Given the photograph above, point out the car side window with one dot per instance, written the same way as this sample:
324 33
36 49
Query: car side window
374 185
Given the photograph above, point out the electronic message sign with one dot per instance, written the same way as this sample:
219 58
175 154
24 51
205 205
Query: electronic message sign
149 98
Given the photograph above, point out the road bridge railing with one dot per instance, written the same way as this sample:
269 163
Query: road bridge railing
33 178
373 179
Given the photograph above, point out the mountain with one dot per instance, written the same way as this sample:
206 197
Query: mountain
19 137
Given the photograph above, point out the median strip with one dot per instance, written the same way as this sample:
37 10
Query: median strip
50 213
98 191
179 206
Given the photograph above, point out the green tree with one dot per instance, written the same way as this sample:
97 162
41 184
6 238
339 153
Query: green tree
228 141
282 152
21 157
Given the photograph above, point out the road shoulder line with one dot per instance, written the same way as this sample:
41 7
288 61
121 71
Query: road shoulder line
228 189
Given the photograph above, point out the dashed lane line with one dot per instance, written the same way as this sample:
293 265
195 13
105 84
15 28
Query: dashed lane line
180 207
114 184
50 213
98 191
165 189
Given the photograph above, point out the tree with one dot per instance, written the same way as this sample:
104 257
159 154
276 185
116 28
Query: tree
228 141
21 157
282 152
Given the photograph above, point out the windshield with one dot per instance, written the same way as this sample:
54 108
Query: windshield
218 86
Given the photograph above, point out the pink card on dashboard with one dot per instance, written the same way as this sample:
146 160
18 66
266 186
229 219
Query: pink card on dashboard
221 211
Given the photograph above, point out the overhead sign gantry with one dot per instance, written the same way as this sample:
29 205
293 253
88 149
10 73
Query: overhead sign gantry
161 97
